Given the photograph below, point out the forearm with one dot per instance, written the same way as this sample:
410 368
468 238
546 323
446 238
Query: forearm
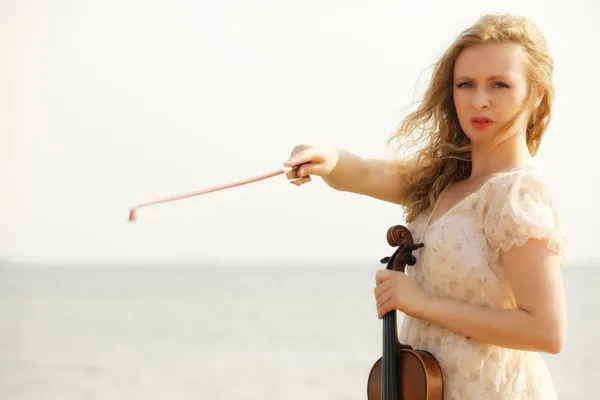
377 178
513 328
348 172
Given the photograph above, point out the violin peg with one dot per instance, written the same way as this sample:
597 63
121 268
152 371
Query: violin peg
410 259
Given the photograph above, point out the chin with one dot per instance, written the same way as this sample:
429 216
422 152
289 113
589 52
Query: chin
479 137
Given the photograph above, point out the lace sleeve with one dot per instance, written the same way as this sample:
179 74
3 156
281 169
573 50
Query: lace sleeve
521 207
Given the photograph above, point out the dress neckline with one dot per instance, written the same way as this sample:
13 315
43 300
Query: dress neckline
464 199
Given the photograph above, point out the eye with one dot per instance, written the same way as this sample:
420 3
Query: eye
500 84
464 85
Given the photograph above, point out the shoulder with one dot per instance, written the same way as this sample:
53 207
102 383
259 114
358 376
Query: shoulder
528 174
520 205
520 185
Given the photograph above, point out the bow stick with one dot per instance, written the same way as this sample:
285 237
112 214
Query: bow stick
132 212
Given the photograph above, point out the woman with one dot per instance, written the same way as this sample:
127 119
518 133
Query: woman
486 295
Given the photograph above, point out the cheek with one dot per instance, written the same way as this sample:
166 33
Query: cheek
508 103
460 103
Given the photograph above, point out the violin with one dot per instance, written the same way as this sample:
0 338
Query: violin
403 372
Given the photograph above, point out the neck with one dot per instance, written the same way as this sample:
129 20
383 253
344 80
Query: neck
510 154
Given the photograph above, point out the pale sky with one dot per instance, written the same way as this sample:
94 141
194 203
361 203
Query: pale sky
108 104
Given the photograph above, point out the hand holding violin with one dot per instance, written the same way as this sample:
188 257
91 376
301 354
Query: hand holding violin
394 290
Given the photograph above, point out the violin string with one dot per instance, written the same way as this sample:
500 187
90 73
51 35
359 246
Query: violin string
392 373
387 358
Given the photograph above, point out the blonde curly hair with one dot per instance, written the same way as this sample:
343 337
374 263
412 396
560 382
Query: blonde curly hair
446 154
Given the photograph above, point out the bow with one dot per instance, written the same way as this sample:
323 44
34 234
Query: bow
133 215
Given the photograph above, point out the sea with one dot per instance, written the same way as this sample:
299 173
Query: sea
200 331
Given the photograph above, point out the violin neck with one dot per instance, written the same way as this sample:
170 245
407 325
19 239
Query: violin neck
390 370
390 363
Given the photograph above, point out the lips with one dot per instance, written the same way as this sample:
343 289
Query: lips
481 122
481 119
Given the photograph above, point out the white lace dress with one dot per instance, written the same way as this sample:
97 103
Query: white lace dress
460 260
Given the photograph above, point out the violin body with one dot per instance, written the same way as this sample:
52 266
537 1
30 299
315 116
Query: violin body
403 372
420 376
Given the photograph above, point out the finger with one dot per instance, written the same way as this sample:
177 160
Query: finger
380 288
382 276
291 173
300 155
384 297
298 148
310 168
298 171
385 308
300 181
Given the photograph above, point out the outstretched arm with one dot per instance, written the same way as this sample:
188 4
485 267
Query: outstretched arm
345 171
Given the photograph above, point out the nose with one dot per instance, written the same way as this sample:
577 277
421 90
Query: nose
480 99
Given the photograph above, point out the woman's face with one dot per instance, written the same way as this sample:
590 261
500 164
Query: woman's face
490 85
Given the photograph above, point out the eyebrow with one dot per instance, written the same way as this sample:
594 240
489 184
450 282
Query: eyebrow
489 79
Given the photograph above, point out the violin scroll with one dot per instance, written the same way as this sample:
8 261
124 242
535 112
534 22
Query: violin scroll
399 236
